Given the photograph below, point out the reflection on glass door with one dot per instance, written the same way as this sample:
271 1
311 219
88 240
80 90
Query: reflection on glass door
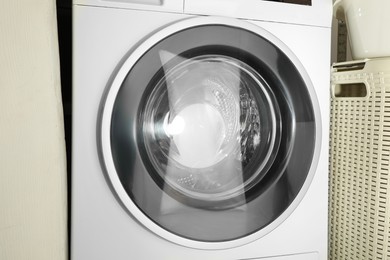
203 126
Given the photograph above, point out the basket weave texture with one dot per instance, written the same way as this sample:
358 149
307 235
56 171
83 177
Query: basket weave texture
359 212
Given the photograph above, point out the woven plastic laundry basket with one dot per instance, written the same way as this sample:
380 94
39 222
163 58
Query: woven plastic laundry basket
359 212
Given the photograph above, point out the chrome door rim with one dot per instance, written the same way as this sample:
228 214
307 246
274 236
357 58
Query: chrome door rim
105 123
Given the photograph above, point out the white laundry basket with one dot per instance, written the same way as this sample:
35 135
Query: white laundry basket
360 161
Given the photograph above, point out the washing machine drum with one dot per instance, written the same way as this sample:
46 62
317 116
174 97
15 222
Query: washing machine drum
208 131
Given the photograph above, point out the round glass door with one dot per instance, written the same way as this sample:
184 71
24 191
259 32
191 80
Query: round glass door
207 120
208 132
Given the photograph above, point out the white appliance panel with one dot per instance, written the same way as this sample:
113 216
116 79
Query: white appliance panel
317 14
101 227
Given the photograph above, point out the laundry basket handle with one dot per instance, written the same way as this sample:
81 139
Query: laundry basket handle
356 90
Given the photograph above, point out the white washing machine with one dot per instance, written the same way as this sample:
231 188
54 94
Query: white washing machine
200 129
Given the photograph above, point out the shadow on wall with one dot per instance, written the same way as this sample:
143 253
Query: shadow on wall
64 26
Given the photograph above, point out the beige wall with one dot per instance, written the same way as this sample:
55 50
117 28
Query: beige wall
32 152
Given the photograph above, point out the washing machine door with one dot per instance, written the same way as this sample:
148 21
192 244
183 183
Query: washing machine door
209 132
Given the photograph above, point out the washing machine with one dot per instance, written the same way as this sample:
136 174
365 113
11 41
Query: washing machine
200 129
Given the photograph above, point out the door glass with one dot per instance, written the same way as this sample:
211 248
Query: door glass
206 120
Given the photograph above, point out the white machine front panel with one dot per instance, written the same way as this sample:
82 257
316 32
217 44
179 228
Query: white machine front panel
316 14
152 5
101 228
